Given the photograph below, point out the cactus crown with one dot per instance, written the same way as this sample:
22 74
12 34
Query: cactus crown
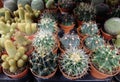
94 42
70 41
74 62
48 24
89 28
43 64
85 12
106 60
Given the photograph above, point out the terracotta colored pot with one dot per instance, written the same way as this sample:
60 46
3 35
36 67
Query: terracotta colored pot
0 69
20 75
99 75
30 51
31 37
67 29
106 35
79 22
45 77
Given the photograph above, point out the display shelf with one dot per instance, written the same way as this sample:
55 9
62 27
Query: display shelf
60 78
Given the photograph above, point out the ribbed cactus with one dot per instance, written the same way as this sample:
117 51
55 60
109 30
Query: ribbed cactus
94 42
106 60
89 28
112 26
85 12
74 63
70 41
37 4
24 2
50 4
43 64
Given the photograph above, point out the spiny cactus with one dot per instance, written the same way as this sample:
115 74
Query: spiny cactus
89 28
111 25
85 12
43 64
106 60
24 2
37 4
74 63
70 41
50 4
48 24
94 42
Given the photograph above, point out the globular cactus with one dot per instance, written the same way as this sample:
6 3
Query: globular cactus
117 41
106 59
85 12
74 63
43 64
24 2
37 4
94 42
70 41
111 25
89 28
50 4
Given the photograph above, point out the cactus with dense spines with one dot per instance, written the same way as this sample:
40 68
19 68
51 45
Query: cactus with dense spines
24 2
70 41
74 63
85 12
37 4
42 63
112 26
106 60
89 28
93 42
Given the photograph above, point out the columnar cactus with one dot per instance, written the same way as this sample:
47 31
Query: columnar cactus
106 60
74 63
94 42
70 41
85 12
89 28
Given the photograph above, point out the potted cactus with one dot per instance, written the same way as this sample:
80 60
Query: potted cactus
70 41
88 29
73 63
66 23
15 61
109 30
66 5
91 43
84 12
104 62
43 64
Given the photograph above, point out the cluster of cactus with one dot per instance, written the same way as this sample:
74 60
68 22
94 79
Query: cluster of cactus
106 60
27 28
70 41
94 42
24 2
48 24
115 12
67 19
42 63
15 58
112 26
85 12
74 62
89 28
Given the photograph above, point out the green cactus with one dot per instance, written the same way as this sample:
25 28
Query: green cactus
43 64
89 28
74 63
37 4
106 60
50 4
4 29
115 12
28 8
70 41
21 13
28 18
2 11
111 25
7 16
94 42
117 41
24 2
85 12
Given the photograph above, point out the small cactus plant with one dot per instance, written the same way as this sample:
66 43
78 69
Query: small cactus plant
43 64
117 41
70 41
94 42
106 60
50 4
74 63
37 4
24 2
85 12
89 28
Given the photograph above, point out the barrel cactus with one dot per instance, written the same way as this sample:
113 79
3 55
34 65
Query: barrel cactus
89 28
37 4
50 4
94 42
112 26
74 63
